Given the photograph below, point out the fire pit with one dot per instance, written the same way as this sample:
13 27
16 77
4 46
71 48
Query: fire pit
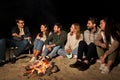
41 67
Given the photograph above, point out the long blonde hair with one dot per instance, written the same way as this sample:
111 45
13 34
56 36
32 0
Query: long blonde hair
77 27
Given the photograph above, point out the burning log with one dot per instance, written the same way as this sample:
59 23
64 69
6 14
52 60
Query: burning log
53 69
41 68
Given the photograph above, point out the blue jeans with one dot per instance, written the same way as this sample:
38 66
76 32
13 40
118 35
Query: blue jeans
62 52
38 44
52 53
22 44
2 49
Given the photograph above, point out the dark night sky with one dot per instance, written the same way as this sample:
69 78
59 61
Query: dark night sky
51 11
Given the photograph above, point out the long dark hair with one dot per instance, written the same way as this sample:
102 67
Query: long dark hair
116 32
111 29
47 32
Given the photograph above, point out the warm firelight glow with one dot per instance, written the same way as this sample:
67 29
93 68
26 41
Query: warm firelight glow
38 67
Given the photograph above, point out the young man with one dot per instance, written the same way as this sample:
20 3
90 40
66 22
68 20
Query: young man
20 35
56 40
87 46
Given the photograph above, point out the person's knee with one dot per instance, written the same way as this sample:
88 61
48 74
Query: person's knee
59 51
2 41
82 43
92 44
24 42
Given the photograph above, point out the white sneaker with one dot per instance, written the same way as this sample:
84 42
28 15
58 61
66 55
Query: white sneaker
106 70
33 59
69 55
102 66
40 57
98 61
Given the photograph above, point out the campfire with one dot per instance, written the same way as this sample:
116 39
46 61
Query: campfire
41 67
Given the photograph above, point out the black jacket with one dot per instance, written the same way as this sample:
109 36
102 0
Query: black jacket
26 30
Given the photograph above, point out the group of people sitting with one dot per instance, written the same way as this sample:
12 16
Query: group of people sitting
86 47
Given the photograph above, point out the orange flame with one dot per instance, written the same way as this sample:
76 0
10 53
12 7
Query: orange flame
40 67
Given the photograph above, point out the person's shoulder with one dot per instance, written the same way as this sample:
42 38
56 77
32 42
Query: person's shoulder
26 27
68 34
86 31
63 31
49 33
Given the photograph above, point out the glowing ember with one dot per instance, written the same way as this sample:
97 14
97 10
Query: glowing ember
40 68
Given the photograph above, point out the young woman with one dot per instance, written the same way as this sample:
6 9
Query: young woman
73 38
107 44
39 41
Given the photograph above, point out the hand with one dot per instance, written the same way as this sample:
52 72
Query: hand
16 35
52 45
50 33
103 45
68 51
27 38
48 47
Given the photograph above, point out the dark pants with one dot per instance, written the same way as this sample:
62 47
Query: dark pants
2 49
22 44
88 50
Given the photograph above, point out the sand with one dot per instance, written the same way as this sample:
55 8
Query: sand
15 71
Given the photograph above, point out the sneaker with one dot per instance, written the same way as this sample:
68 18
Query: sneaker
40 57
102 66
2 63
69 55
98 61
48 58
76 64
32 59
36 61
106 70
